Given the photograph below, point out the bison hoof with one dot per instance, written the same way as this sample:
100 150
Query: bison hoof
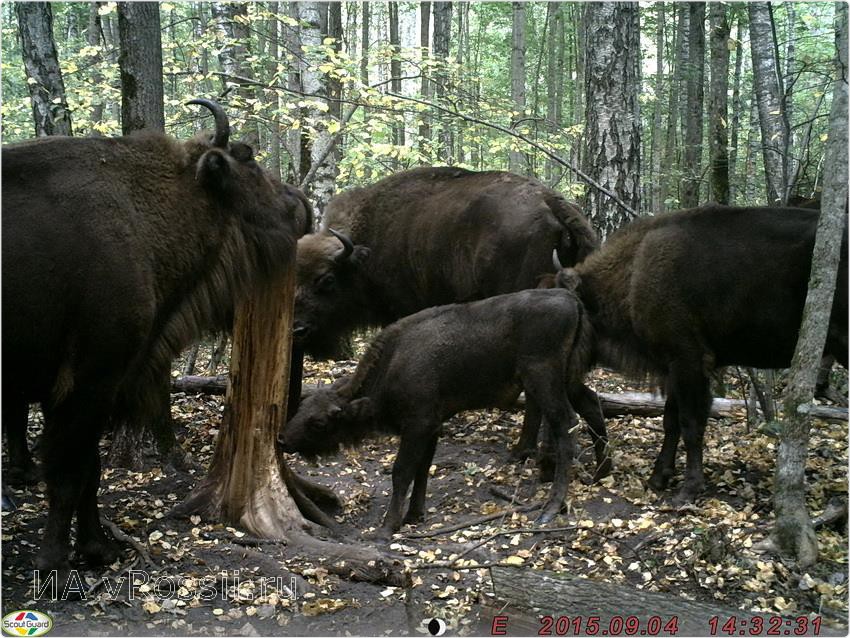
687 495
99 552
412 518
603 470
658 481
24 474
521 452
545 517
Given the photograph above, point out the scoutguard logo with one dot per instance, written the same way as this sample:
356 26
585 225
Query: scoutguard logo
27 622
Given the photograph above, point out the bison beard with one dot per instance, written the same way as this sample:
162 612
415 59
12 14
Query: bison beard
117 254
680 294
433 364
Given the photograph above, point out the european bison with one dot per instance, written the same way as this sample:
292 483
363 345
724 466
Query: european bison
426 237
118 253
680 294
431 365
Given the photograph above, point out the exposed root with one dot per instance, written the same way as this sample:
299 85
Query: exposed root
129 540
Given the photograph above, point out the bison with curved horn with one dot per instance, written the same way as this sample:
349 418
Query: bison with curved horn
431 236
678 295
118 253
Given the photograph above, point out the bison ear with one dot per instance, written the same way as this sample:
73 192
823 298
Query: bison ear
568 278
359 409
360 255
213 170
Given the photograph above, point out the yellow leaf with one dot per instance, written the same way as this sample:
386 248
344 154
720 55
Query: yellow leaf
513 560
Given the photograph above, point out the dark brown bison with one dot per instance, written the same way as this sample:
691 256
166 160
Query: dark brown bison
680 294
117 253
433 364
426 237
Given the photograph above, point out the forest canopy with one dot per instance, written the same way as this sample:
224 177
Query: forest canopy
490 86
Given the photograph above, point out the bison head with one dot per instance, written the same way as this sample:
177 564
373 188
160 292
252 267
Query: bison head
328 292
325 419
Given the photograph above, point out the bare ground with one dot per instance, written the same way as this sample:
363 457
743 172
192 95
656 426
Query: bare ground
205 579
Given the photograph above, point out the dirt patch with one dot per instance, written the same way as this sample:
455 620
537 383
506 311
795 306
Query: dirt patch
207 579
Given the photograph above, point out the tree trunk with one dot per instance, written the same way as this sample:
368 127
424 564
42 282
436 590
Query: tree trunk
554 81
793 532
674 99
232 20
44 78
692 145
769 93
738 107
440 47
95 60
791 162
612 133
272 32
322 164
424 46
655 145
244 485
395 73
516 159
140 61
718 103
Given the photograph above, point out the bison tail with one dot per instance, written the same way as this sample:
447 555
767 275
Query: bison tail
582 356
580 239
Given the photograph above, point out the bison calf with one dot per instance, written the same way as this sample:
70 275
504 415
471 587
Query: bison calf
431 365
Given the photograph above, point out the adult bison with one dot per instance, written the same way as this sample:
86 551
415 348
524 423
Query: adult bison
680 294
117 253
425 368
426 237
432 236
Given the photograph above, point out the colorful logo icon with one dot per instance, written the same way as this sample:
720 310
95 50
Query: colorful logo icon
27 622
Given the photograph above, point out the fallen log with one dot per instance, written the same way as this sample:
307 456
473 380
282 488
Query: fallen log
560 596
632 403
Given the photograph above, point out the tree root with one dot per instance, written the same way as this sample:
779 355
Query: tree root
129 540
528 507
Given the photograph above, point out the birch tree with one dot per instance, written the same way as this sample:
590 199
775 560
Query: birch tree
769 95
612 135
44 78
793 532
516 160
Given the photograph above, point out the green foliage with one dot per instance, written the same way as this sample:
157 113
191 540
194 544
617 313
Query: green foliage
472 110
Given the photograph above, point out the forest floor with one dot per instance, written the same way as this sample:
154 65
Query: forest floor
202 581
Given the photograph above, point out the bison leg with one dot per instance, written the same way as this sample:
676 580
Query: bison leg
70 438
407 461
691 388
586 403
22 469
545 385
93 543
527 444
416 510
666 461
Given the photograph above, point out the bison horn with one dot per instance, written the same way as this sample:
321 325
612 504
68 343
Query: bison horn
347 246
555 261
222 125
